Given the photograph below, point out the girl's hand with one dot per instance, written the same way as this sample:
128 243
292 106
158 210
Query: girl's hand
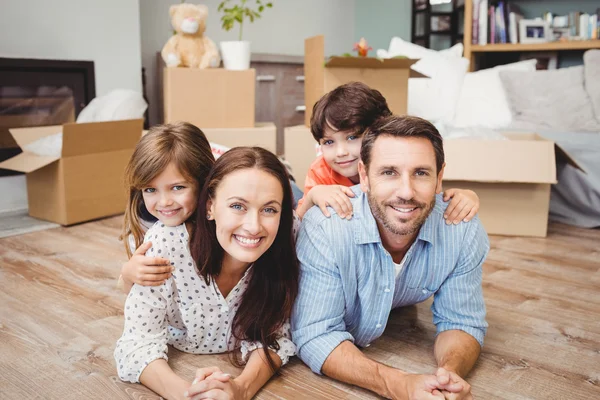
334 196
146 271
463 207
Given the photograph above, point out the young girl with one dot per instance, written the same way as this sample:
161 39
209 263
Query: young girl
183 151
234 290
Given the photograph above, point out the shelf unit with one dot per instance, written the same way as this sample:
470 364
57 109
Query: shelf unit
423 9
472 50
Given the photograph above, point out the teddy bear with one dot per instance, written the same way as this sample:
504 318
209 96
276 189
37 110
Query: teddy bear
188 47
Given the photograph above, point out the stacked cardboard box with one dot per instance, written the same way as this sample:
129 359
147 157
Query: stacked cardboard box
218 101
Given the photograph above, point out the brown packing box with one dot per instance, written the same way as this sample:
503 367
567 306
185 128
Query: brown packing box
389 76
209 98
300 151
86 182
511 177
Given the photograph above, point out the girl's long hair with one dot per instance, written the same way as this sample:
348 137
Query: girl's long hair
273 286
181 143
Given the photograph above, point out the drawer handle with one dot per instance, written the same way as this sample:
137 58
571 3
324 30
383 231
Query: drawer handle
300 78
265 78
300 108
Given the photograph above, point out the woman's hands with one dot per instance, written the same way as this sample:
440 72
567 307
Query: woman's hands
212 383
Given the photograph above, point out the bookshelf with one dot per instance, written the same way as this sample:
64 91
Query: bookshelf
423 28
472 50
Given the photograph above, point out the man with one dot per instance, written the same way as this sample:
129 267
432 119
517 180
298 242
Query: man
395 251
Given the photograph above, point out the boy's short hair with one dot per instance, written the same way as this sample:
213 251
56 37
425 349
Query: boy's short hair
350 107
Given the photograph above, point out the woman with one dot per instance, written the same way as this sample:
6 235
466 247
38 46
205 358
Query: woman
233 290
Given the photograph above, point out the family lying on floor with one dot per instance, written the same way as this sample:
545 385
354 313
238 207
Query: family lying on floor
220 262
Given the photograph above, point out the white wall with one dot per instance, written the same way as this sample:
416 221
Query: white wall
104 31
281 30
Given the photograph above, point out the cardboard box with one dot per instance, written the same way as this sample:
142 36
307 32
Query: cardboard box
209 98
511 177
264 135
35 111
86 181
299 151
389 76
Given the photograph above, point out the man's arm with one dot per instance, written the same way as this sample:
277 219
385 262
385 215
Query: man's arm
458 307
348 364
317 320
456 351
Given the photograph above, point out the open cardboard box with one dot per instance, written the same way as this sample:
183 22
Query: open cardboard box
389 76
86 181
209 98
511 177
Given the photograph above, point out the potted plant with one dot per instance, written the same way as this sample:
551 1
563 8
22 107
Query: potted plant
236 53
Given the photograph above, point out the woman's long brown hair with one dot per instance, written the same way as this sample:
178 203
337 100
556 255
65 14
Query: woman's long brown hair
268 300
181 143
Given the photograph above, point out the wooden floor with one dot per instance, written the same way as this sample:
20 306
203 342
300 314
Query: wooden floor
61 315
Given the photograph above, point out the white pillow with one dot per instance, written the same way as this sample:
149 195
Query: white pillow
482 101
119 104
433 98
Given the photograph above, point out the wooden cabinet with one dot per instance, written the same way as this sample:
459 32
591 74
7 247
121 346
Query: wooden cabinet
279 91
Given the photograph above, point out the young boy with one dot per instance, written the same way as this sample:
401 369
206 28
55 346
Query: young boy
338 122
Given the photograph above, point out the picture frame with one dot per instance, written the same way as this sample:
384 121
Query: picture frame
534 31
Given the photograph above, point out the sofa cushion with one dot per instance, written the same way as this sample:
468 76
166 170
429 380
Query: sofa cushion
482 102
553 99
591 61
432 98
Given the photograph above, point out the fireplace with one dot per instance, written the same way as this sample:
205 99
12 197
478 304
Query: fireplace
41 92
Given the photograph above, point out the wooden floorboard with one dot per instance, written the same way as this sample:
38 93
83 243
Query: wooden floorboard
61 315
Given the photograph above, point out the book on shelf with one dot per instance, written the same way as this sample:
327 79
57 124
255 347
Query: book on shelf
514 16
497 21
492 24
501 35
475 23
483 22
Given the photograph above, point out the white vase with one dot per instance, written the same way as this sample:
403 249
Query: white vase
236 55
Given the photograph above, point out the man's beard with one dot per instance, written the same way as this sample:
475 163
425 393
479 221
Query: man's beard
379 212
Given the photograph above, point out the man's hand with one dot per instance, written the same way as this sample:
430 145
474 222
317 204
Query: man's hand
146 271
334 196
415 387
453 386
